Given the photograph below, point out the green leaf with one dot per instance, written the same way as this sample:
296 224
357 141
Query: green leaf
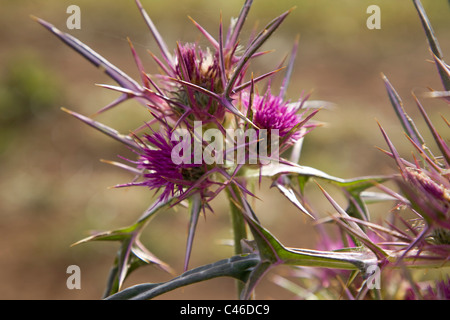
444 72
238 24
255 276
444 95
443 68
111 235
289 70
156 35
353 228
273 253
195 203
289 193
270 249
376 197
442 145
259 40
406 121
302 180
120 270
131 254
100 62
298 291
357 207
432 40
237 267
138 256
125 139
274 170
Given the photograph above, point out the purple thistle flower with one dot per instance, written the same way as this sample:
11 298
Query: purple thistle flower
429 196
273 113
440 292
427 191
200 68
161 172
433 189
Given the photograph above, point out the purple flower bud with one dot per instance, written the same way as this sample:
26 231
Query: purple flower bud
429 193
429 187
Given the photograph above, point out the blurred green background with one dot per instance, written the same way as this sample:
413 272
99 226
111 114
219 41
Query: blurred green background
54 190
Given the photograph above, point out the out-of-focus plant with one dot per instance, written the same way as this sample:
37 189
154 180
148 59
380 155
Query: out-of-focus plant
205 94
423 190
27 89
424 183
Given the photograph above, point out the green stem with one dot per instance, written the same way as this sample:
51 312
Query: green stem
239 233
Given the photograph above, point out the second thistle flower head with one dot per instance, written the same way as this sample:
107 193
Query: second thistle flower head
429 193
274 113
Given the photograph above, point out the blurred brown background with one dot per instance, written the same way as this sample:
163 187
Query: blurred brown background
54 189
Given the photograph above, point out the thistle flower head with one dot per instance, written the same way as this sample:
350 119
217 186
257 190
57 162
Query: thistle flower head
425 184
199 67
429 195
441 291
161 172
433 187
274 113
427 188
